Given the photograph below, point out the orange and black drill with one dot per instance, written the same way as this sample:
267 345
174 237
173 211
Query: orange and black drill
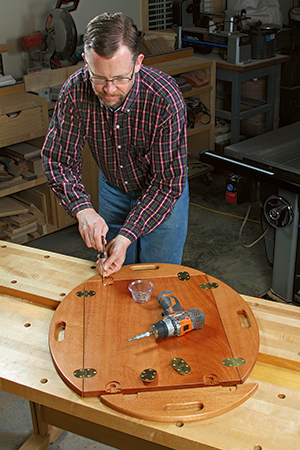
175 322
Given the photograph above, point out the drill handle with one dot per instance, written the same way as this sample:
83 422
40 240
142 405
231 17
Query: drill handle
168 302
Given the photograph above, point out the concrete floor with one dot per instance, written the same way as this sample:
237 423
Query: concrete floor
212 246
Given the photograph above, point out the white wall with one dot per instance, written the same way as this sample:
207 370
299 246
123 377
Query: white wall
21 17
285 6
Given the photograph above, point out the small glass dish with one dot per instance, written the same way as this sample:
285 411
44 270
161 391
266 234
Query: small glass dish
141 290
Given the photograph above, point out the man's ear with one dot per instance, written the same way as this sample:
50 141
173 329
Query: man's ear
139 62
83 57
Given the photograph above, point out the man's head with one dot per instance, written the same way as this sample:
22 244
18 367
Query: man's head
106 32
111 51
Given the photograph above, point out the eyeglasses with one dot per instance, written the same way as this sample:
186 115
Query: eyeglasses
117 81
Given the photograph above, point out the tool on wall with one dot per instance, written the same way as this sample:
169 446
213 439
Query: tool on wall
59 39
175 322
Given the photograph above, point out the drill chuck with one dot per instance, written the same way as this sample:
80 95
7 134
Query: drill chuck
165 328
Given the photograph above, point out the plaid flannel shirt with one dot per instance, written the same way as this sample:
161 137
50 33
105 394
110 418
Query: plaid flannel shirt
141 147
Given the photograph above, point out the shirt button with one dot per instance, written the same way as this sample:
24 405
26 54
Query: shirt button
126 182
128 110
117 126
119 147
121 167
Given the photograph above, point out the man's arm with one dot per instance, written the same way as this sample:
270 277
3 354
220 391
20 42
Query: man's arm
61 155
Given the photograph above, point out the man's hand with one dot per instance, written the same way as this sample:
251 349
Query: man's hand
116 249
91 227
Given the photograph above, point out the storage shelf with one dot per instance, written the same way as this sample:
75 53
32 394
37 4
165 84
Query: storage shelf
197 91
21 186
201 137
198 127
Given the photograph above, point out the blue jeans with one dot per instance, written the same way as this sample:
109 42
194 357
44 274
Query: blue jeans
164 244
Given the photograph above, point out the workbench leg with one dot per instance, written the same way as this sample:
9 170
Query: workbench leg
271 97
44 434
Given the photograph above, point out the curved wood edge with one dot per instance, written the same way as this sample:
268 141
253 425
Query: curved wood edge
183 405
149 270
240 326
67 350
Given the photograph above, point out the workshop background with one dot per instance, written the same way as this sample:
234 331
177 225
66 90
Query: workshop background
28 16
216 227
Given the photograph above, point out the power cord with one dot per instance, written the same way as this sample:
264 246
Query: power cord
243 226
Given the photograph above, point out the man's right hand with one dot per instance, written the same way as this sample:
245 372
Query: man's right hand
91 227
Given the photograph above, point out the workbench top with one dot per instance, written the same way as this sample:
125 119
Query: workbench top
269 420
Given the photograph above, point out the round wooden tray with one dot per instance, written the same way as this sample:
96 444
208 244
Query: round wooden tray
89 345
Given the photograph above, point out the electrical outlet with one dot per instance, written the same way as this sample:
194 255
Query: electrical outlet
25 56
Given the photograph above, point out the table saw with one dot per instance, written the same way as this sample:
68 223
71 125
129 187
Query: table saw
273 159
34 285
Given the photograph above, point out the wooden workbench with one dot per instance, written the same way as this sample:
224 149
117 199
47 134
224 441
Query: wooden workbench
269 420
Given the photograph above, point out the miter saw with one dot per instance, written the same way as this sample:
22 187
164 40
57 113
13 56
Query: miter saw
59 39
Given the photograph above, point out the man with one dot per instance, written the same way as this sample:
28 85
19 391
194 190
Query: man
134 119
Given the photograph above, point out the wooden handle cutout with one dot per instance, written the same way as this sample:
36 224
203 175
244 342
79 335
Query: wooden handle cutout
244 318
13 115
190 407
60 330
146 267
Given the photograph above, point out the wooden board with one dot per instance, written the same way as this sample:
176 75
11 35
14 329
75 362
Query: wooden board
183 405
23 150
111 317
11 207
40 276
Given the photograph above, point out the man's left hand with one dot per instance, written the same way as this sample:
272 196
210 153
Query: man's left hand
116 250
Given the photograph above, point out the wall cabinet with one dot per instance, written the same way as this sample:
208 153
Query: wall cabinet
24 119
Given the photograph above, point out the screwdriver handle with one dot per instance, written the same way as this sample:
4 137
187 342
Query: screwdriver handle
102 251
168 302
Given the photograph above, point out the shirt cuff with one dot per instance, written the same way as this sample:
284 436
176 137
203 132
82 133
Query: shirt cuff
79 207
130 234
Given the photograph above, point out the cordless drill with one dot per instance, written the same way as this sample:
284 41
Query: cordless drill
175 322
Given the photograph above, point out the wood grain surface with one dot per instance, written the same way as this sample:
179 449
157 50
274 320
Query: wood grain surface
40 276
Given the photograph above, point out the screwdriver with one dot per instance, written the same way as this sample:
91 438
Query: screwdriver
102 256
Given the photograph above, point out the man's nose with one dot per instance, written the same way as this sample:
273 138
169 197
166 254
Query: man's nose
109 87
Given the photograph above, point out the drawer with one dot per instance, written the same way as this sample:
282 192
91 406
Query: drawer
22 117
